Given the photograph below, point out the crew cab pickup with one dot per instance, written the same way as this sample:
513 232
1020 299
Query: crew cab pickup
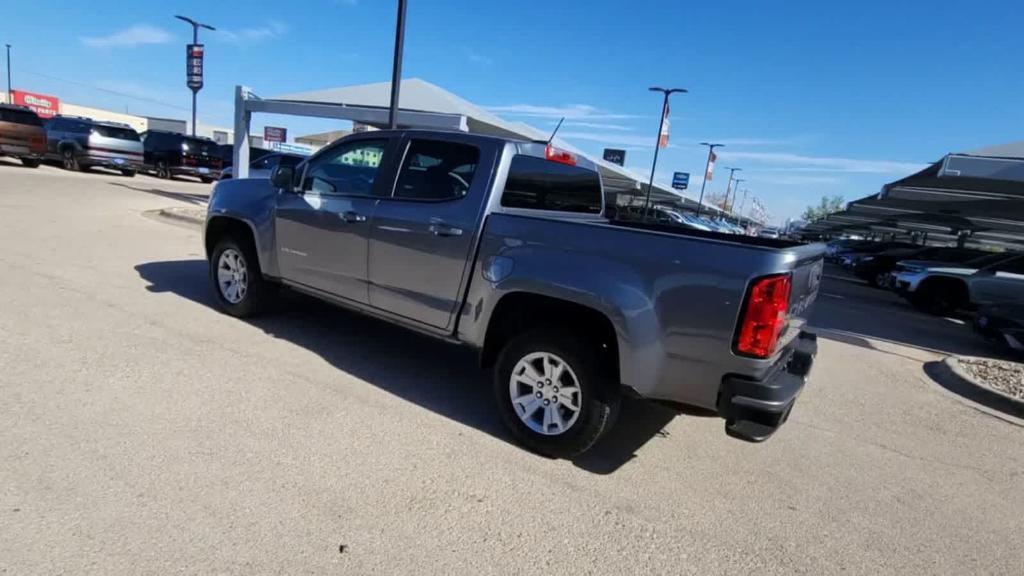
504 246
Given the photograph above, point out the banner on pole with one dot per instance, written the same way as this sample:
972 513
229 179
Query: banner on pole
711 165
663 135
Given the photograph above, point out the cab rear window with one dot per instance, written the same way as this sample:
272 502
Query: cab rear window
539 184
20 117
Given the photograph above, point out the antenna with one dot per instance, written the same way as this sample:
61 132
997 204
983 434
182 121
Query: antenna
556 130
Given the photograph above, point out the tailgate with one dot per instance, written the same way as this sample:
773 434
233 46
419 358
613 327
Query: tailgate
806 279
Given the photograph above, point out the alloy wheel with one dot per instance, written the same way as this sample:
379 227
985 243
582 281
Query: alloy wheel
545 393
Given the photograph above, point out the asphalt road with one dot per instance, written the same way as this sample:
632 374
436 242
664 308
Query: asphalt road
142 432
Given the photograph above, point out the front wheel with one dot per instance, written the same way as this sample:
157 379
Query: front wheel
236 277
31 162
128 173
162 171
69 161
206 180
552 393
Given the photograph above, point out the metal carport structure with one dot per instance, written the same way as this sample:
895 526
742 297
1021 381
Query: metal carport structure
425 105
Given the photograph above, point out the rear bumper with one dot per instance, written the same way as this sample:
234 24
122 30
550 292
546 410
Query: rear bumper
197 171
755 409
113 162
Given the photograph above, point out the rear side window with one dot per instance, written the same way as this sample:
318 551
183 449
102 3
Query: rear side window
26 117
434 170
116 132
540 184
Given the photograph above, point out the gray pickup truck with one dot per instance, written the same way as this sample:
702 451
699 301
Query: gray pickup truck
505 246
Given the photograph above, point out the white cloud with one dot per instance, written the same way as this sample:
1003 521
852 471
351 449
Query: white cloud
801 163
132 36
569 112
610 138
477 58
246 36
595 125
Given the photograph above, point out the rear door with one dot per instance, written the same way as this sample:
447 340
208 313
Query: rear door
424 230
323 228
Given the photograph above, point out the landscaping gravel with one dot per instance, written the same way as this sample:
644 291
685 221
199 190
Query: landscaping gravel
1006 377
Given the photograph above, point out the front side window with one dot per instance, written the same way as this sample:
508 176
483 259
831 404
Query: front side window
435 170
541 184
349 169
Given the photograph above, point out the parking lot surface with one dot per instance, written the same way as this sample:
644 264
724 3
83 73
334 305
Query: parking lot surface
142 432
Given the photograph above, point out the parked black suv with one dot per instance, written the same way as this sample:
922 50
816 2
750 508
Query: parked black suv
81 143
169 154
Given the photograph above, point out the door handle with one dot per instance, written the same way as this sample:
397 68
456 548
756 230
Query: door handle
350 216
442 229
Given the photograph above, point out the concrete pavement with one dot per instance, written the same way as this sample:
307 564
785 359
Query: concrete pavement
142 432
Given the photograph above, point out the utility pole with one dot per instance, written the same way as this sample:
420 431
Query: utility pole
10 92
657 142
707 167
743 202
396 70
195 40
728 187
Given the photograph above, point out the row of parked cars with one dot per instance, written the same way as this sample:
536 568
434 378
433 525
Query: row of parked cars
943 280
80 143
682 219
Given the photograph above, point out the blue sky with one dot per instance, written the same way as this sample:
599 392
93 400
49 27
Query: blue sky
811 98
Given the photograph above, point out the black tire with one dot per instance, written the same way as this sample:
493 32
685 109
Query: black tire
935 298
31 162
599 395
254 300
69 161
162 171
206 180
128 173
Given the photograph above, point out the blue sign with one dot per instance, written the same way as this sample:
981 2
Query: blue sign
680 180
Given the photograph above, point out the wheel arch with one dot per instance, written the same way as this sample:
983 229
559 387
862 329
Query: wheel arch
519 312
218 227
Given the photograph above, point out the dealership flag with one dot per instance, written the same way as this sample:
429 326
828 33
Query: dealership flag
711 164
663 136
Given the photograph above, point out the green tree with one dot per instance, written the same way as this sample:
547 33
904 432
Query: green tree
828 205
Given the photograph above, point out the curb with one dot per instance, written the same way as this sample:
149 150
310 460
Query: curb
950 375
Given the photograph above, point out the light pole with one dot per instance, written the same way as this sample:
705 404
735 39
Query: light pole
657 142
743 202
736 188
10 93
728 187
707 166
396 70
195 40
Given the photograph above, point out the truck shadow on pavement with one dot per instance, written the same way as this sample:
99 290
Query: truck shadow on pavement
188 197
442 378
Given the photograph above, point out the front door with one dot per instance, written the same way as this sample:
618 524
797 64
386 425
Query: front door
322 229
422 234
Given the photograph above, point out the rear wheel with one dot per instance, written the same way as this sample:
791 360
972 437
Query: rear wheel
128 173
552 394
162 171
206 179
69 161
31 162
237 279
939 298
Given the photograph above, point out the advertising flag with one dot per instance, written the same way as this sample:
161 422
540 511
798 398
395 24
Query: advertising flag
663 135
711 165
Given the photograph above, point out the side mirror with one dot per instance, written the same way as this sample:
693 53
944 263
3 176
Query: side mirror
283 177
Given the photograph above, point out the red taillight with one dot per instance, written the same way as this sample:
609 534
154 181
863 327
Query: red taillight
764 316
560 156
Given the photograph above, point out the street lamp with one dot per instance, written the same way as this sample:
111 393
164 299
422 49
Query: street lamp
657 142
704 182
735 187
396 70
728 187
195 40
10 93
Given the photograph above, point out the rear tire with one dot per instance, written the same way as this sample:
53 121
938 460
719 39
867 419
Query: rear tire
69 161
535 359
937 298
236 277
162 171
128 173
31 162
206 180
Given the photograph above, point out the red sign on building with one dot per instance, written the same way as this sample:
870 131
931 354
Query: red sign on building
43 105
275 134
